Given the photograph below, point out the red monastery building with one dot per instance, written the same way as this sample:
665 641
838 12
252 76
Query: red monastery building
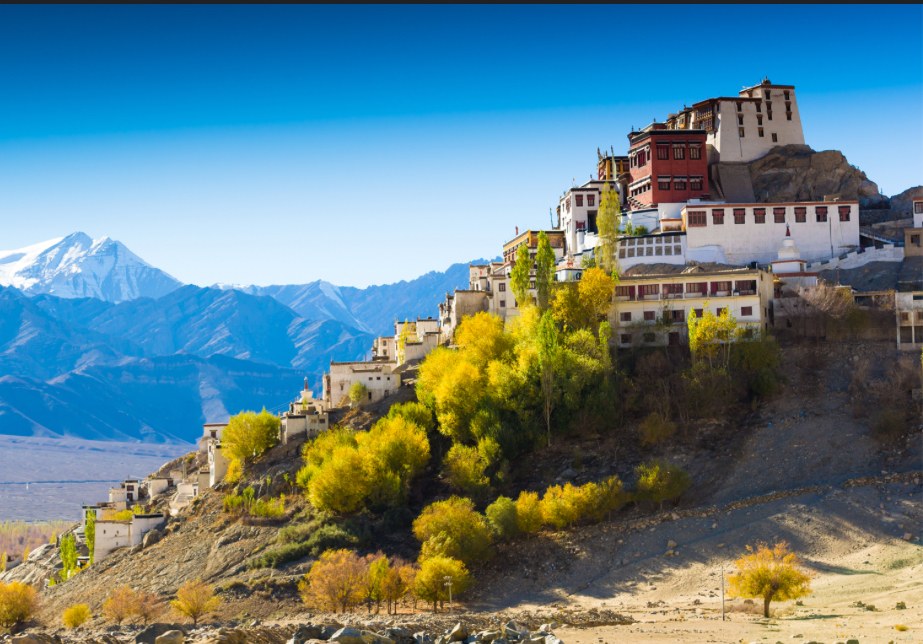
666 166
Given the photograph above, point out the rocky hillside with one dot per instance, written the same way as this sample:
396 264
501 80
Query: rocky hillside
798 173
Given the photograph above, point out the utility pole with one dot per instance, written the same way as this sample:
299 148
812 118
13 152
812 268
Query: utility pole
722 593
448 582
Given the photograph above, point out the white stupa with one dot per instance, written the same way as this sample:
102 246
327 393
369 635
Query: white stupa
790 263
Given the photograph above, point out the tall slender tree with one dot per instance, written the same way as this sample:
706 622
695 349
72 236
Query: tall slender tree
89 533
519 276
608 221
544 271
547 345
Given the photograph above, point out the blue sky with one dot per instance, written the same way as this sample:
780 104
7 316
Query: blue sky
372 144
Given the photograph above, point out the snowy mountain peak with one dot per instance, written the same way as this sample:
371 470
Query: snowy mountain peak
80 266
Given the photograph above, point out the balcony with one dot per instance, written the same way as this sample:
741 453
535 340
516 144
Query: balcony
625 298
672 296
692 295
745 292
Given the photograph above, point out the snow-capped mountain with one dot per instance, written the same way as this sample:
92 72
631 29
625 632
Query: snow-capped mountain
78 266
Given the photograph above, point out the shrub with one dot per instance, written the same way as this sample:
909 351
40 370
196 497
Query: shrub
249 434
270 508
280 556
501 515
336 581
452 528
465 470
602 498
18 603
414 412
771 574
655 429
147 607
900 628
195 600
76 615
233 503
120 605
341 485
528 512
561 506
357 392
429 584
889 424
658 481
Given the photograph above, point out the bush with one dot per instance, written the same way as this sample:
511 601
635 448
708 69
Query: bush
18 603
147 607
270 508
658 481
277 557
465 470
415 412
120 605
195 600
561 506
655 429
452 528
429 584
337 580
501 515
357 392
528 512
76 615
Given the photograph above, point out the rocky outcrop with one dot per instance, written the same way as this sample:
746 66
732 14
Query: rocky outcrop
798 173
902 204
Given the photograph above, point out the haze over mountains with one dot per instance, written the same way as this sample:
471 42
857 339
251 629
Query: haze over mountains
95 343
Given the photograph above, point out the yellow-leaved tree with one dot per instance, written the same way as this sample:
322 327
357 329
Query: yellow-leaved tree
430 583
711 336
18 604
772 574
595 292
454 529
76 615
336 581
249 434
195 599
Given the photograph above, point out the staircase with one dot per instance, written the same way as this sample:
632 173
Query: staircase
878 235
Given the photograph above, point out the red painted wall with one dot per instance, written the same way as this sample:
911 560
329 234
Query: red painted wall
673 167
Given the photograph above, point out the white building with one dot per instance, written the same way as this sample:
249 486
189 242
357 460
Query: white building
577 211
157 485
652 306
790 268
305 416
379 378
909 313
745 127
217 463
210 431
423 335
128 492
741 233
111 534
185 493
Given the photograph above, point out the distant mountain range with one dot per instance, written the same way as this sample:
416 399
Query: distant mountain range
95 343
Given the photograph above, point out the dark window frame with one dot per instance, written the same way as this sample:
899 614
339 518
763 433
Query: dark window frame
717 216
759 215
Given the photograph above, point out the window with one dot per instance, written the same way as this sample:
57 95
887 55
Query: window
905 317
663 152
679 183
801 214
769 107
625 317
502 287
650 316
788 116
699 312
591 200
788 106
720 287
740 107
918 207
626 338
720 310
740 132
759 215
678 316
766 94
775 137
650 290
697 287
759 120
695 152
672 291
787 95
502 304
695 183
579 200
531 283
821 213
717 217
844 212
915 240
759 108
760 131
623 291
740 119
649 337
778 215
679 152
769 115
663 183
739 215
696 217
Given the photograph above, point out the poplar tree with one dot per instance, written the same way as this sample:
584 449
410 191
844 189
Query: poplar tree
547 345
89 532
519 277
544 270
68 556
608 222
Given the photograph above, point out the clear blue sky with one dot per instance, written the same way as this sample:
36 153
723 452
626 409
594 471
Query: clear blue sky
365 145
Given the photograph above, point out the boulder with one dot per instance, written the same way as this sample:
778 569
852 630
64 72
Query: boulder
327 631
422 638
170 637
458 633
34 638
151 538
488 636
374 638
552 639
348 635
308 632
150 633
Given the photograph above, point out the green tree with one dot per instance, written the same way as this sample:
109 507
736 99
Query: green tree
547 346
544 271
519 276
430 582
415 412
378 572
89 532
249 434
465 468
68 551
605 353
608 221
358 392
502 517
658 481
453 528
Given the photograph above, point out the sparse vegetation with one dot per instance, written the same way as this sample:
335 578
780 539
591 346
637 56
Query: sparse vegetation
120 605
19 602
658 481
18 536
194 600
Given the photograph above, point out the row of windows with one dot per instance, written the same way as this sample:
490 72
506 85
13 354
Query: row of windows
679 183
742 134
590 200
627 338
698 217
743 287
651 251
680 315
679 152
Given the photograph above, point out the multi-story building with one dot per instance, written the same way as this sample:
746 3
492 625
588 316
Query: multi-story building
908 308
424 335
577 212
652 306
666 166
741 233
305 415
379 377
